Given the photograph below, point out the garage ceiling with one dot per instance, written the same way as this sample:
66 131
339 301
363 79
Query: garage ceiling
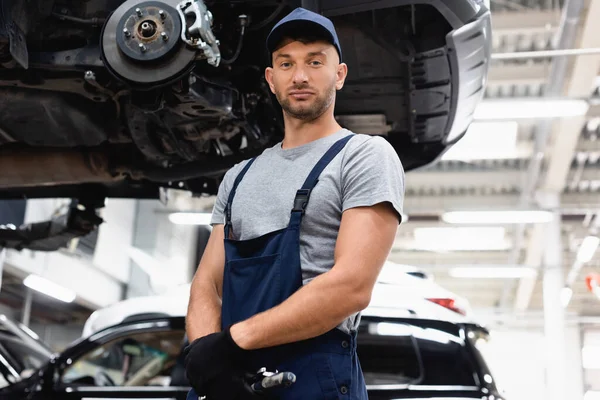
561 155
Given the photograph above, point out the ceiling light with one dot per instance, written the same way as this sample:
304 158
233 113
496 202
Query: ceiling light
565 296
497 217
49 288
189 218
486 140
460 239
530 108
498 272
587 249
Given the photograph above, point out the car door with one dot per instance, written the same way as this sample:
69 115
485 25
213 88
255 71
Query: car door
136 360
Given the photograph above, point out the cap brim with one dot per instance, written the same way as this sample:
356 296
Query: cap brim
295 28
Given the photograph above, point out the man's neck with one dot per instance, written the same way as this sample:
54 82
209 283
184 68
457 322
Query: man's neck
299 132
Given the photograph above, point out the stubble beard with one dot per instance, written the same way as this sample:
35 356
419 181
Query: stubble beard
311 111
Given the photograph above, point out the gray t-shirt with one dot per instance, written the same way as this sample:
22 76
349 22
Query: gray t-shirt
366 172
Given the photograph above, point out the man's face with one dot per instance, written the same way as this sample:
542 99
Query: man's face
305 77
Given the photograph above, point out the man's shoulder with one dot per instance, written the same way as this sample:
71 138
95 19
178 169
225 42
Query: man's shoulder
365 144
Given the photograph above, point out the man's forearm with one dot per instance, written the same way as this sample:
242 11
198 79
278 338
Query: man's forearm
204 311
313 310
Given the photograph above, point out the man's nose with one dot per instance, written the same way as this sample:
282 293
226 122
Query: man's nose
300 75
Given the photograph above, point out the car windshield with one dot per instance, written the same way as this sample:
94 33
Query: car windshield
406 354
20 353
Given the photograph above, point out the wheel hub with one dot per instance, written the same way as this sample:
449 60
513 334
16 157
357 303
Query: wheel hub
141 45
150 31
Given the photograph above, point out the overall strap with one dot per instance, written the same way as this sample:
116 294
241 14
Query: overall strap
237 181
302 195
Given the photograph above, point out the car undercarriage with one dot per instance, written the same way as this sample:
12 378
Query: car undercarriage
112 98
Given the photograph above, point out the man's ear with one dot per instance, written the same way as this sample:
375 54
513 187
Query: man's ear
342 73
269 78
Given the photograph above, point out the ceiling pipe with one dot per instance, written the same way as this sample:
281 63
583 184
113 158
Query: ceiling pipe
545 53
565 39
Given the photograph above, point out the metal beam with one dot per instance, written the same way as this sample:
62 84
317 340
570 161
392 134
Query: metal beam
525 22
434 205
567 134
418 258
518 74
513 55
497 178
467 179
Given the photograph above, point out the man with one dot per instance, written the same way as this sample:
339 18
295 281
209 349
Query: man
300 235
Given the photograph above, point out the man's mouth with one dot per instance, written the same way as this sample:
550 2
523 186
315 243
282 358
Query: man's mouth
301 94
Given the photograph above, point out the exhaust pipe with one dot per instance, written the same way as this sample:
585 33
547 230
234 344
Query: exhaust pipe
31 167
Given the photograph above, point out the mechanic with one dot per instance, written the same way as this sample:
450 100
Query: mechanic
300 234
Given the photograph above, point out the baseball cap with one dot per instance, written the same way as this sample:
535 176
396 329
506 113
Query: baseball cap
305 20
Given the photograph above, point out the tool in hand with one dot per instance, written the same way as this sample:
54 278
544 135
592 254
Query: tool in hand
265 381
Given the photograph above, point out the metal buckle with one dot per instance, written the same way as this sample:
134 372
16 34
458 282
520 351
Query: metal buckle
301 200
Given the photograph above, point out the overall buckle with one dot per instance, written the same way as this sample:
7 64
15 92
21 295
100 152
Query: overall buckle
301 200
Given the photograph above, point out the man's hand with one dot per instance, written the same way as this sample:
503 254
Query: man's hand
212 359
232 387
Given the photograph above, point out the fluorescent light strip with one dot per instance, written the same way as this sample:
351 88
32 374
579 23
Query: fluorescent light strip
190 218
530 108
491 272
486 140
565 296
497 217
49 288
460 239
587 249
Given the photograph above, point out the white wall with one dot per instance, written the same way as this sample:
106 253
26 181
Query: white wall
93 287
517 358
98 282
591 341
164 252
129 226
115 236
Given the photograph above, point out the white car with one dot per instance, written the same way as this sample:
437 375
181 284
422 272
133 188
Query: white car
401 291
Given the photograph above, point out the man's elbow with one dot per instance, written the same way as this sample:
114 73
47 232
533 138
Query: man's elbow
358 299
354 294
363 301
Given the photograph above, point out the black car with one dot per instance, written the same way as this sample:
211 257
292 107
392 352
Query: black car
113 98
401 359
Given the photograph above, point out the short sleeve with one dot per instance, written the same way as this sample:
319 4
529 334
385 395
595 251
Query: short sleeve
218 212
372 173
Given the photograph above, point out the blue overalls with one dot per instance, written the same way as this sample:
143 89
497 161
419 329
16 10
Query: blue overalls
261 273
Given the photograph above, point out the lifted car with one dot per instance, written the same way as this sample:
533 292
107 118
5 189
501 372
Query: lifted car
111 98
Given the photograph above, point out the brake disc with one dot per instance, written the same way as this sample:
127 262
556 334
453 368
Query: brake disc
141 43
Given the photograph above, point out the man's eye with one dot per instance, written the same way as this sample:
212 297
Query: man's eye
316 62
285 64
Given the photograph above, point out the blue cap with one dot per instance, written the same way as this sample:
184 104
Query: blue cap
308 21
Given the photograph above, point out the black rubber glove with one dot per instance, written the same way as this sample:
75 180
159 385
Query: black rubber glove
232 387
211 357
